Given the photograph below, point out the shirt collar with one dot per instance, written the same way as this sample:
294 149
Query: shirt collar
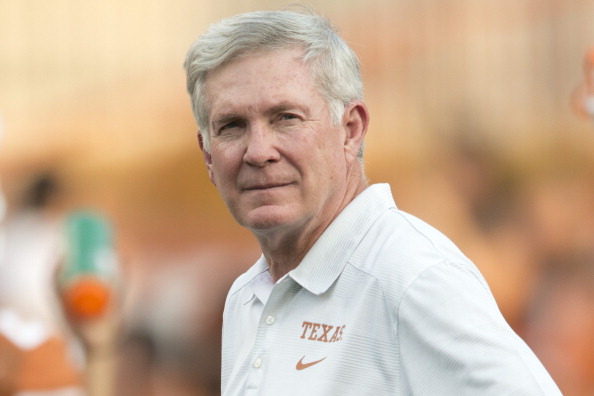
259 280
328 256
262 286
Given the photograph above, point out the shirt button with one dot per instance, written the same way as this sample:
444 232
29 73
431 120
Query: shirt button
258 363
270 320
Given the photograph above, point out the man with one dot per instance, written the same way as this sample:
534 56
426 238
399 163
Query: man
351 296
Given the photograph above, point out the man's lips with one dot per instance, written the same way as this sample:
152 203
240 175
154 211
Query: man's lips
267 186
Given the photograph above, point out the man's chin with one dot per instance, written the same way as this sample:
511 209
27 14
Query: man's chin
266 219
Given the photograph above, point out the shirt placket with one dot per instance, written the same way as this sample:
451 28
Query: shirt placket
268 323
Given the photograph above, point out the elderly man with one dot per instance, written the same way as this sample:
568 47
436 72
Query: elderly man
351 296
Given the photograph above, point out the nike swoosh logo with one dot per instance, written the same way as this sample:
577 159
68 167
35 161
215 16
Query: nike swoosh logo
301 365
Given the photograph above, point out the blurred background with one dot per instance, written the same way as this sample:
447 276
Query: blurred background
471 124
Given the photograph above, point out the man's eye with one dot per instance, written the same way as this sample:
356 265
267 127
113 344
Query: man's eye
229 125
287 117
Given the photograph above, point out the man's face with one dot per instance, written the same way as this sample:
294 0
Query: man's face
276 158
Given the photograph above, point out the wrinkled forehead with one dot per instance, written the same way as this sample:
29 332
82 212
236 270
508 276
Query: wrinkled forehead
235 71
261 82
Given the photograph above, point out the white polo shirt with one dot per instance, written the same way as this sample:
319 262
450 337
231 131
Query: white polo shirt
382 304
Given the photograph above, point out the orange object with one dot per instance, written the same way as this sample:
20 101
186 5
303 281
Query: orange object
87 276
46 367
87 298
10 362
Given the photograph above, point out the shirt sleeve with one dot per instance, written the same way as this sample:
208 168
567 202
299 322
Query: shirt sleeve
454 340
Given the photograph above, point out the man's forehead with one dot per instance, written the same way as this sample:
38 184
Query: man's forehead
256 83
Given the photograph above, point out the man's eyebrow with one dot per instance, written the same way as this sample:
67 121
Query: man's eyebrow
284 106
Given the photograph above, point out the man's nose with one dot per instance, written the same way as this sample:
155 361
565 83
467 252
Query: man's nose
261 149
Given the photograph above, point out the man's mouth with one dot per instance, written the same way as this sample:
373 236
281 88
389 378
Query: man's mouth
267 186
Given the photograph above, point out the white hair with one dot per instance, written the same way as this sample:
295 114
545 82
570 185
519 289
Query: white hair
333 64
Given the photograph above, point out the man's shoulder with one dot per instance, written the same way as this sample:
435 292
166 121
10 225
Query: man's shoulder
398 233
399 247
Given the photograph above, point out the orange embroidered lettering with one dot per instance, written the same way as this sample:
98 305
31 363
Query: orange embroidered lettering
324 336
306 326
314 331
340 336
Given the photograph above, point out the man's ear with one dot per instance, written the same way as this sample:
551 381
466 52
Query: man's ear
355 122
207 157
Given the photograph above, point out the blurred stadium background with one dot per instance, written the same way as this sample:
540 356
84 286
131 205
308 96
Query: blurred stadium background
471 124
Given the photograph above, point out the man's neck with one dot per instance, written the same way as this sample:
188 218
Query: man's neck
284 250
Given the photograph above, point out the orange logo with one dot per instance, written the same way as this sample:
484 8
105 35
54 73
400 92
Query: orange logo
322 332
301 366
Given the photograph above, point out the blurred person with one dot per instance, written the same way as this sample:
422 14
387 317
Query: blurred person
170 344
36 357
351 296
88 285
556 202
560 321
32 234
